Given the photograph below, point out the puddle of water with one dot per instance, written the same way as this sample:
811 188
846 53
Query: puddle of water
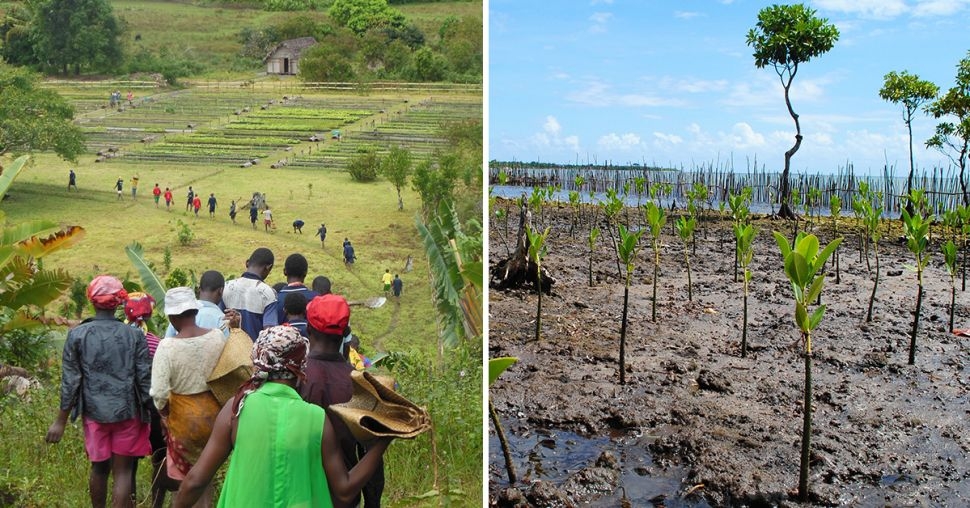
554 455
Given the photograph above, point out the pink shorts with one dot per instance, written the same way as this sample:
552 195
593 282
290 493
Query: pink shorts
129 438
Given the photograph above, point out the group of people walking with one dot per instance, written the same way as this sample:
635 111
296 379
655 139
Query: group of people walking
191 399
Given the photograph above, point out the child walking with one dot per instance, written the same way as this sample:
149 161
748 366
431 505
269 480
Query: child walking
105 378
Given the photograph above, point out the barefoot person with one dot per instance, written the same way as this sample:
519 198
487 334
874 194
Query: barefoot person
105 378
289 445
179 383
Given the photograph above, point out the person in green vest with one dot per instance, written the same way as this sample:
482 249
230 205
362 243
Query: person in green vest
273 435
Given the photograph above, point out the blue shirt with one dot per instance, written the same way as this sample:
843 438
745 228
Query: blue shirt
209 316
296 287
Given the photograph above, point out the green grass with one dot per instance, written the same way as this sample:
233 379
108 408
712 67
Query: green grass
450 386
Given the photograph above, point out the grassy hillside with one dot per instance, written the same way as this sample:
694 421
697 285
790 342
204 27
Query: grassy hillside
313 187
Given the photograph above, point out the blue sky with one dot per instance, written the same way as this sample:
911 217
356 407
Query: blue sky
673 83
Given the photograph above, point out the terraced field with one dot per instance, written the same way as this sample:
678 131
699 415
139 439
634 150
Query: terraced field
246 123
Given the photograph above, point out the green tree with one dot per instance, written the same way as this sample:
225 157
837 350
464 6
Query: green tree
34 118
76 35
916 228
803 261
785 37
428 65
537 251
16 47
461 45
364 164
627 253
952 136
326 62
362 15
910 91
396 167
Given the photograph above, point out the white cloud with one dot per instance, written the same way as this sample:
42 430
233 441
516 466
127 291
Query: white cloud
932 8
672 139
692 85
686 14
599 94
620 142
552 126
743 136
599 20
878 9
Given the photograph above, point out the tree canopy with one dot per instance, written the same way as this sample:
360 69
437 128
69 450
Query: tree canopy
362 15
952 135
76 35
785 37
910 91
33 118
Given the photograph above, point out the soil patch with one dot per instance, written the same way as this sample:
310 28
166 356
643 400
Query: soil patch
728 428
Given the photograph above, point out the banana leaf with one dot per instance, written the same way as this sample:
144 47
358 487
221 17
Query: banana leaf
150 282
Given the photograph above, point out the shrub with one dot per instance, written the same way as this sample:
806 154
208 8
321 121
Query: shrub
177 278
184 232
29 349
364 165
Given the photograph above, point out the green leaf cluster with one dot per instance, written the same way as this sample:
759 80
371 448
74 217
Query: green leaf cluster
628 246
787 35
803 260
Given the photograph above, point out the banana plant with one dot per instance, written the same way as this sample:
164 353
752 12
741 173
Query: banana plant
594 233
656 219
496 366
744 236
25 287
629 245
835 211
916 228
685 230
537 251
950 259
803 261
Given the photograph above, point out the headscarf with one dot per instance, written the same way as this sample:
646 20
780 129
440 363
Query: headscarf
278 353
139 307
106 292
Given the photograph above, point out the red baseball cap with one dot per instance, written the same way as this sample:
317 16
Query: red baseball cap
328 314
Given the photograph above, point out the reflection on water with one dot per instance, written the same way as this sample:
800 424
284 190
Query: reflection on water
555 455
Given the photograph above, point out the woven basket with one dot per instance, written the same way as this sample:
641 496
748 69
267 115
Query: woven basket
376 410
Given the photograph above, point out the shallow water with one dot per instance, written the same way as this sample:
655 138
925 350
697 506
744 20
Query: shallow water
554 455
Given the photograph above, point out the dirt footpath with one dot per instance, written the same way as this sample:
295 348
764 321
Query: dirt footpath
698 425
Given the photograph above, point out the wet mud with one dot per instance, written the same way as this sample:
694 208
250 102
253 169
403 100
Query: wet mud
696 424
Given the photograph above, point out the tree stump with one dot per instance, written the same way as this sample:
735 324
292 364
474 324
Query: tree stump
518 270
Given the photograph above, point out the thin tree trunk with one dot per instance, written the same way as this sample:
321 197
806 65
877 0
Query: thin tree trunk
656 273
875 286
509 465
690 291
744 322
953 301
626 301
539 305
806 429
912 337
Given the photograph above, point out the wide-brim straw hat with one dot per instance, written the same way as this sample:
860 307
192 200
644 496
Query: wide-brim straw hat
376 410
235 366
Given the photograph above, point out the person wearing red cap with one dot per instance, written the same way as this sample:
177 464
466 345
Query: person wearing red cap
105 378
328 378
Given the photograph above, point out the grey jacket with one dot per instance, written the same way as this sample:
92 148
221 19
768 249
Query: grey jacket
106 372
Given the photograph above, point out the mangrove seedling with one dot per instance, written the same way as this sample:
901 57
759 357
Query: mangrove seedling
685 230
496 366
612 208
872 218
574 208
802 264
835 211
744 236
950 259
740 213
916 228
656 219
629 243
594 233
537 251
